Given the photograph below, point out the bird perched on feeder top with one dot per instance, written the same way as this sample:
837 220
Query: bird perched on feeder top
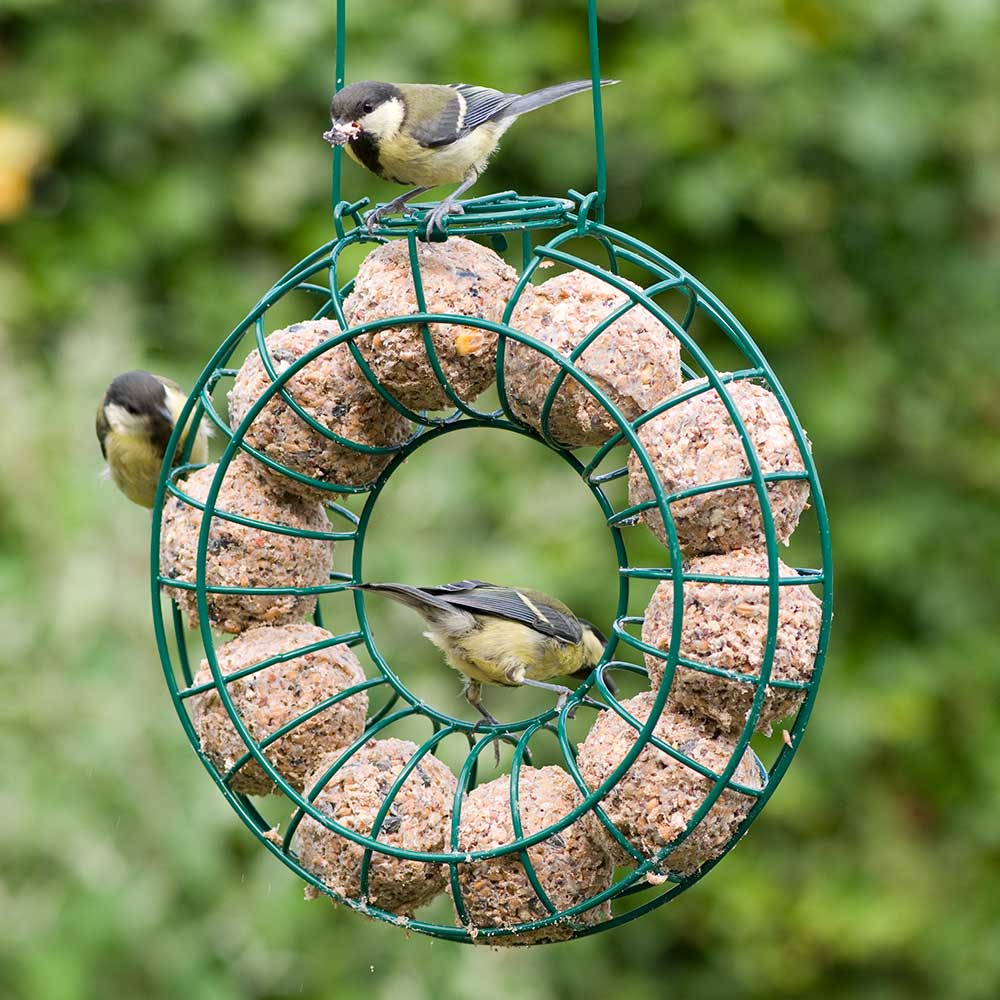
134 424
501 635
425 135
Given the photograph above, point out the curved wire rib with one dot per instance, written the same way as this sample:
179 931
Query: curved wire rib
346 639
411 765
250 522
305 716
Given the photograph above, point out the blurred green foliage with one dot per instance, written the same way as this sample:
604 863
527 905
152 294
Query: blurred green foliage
830 170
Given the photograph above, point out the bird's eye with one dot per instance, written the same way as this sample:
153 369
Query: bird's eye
368 107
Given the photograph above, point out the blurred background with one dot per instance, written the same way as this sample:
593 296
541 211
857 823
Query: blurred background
832 172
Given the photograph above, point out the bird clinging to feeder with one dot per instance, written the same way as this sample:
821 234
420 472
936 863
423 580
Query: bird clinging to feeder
502 635
134 422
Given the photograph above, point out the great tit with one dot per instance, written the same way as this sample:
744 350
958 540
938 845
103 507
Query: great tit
501 635
425 135
134 424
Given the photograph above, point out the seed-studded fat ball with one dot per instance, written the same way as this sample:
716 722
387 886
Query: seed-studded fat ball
269 698
417 820
334 391
458 277
696 443
571 865
636 361
242 556
725 626
656 798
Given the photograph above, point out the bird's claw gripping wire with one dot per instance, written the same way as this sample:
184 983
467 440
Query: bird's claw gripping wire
439 213
374 218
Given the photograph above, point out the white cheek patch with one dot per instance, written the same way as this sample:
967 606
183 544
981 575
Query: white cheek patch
123 422
385 121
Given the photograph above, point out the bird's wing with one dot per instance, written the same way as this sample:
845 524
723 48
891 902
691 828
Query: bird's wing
481 104
458 585
505 602
103 428
442 111
453 111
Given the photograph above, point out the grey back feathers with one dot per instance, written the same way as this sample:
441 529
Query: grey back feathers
444 126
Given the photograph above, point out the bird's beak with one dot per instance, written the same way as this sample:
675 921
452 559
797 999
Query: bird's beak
166 414
341 133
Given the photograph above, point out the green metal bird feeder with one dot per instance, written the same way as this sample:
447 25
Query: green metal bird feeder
495 218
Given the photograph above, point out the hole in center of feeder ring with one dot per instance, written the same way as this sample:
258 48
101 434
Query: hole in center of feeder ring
484 504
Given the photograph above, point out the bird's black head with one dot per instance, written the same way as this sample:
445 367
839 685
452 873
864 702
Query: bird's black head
365 107
140 394
136 403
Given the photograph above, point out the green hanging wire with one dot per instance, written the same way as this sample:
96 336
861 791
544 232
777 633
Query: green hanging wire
595 77
341 55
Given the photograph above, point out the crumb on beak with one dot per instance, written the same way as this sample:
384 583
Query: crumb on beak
340 133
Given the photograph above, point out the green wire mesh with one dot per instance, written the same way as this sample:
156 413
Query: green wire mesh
493 216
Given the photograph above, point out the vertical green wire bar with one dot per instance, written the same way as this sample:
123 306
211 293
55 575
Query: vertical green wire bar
338 152
595 77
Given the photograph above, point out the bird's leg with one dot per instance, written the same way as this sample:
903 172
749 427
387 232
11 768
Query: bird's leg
376 215
450 205
563 692
474 696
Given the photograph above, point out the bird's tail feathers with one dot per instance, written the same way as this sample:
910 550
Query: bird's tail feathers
412 597
548 95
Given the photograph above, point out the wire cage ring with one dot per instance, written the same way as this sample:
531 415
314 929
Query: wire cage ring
663 274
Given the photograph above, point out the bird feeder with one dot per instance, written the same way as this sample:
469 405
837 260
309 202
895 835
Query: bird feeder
536 230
